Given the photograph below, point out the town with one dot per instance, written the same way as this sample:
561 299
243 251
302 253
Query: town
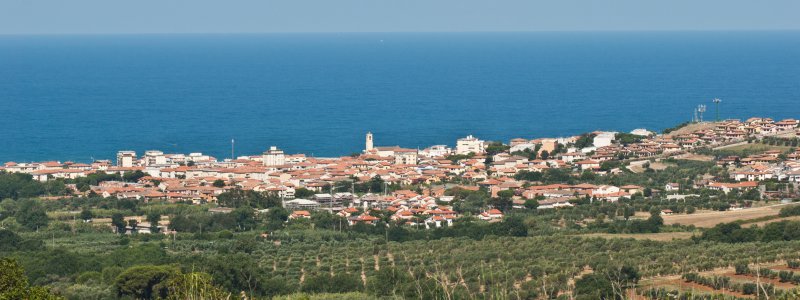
416 187
699 209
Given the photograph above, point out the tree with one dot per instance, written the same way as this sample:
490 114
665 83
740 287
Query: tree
503 201
245 218
389 282
621 278
144 282
219 183
303 193
472 204
133 223
655 219
20 185
9 240
132 176
544 155
495 148
14 283
593 286
237 272
585 140
31 214
325 283
531 204
240 198
195 285
233 198
376 184
86 215
154 218
276 217
119 222
326 220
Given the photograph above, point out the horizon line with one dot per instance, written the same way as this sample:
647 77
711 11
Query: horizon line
404 32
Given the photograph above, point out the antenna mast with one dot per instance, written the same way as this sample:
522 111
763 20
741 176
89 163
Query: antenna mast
701 109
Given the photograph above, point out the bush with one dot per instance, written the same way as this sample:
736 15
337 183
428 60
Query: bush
741 268
788 211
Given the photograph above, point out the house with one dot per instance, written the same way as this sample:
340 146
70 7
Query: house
300 214
347 212
793 176
631 189
364 218
588 164
492 214
727 187
438 220
666 212
672 187
555 203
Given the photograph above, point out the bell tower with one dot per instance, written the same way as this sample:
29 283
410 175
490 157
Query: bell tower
369 145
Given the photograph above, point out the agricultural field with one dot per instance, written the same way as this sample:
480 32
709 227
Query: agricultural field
756 148
712 218
742 281
762 223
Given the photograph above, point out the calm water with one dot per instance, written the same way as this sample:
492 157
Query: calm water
76 97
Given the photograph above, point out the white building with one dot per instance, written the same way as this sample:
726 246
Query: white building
604 139
470 144
154 157
642 132
197 156
406 156
274 157
301 204
126 159
522 147
436 151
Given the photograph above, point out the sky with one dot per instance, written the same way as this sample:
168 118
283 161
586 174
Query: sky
268 16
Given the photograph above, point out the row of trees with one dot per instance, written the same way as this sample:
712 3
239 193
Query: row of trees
19 185
735 233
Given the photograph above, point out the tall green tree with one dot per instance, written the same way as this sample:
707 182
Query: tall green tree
119 222
86 215
376 184
14 283
31 214
154 218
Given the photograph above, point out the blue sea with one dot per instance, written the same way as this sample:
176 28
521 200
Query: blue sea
83 97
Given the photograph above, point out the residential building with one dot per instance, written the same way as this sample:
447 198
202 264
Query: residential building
470 144
274 157
126 159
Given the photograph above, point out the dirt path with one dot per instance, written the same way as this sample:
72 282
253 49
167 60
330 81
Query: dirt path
390 256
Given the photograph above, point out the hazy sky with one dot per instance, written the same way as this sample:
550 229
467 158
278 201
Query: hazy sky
246 16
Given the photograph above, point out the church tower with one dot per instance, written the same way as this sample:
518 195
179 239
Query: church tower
369 145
